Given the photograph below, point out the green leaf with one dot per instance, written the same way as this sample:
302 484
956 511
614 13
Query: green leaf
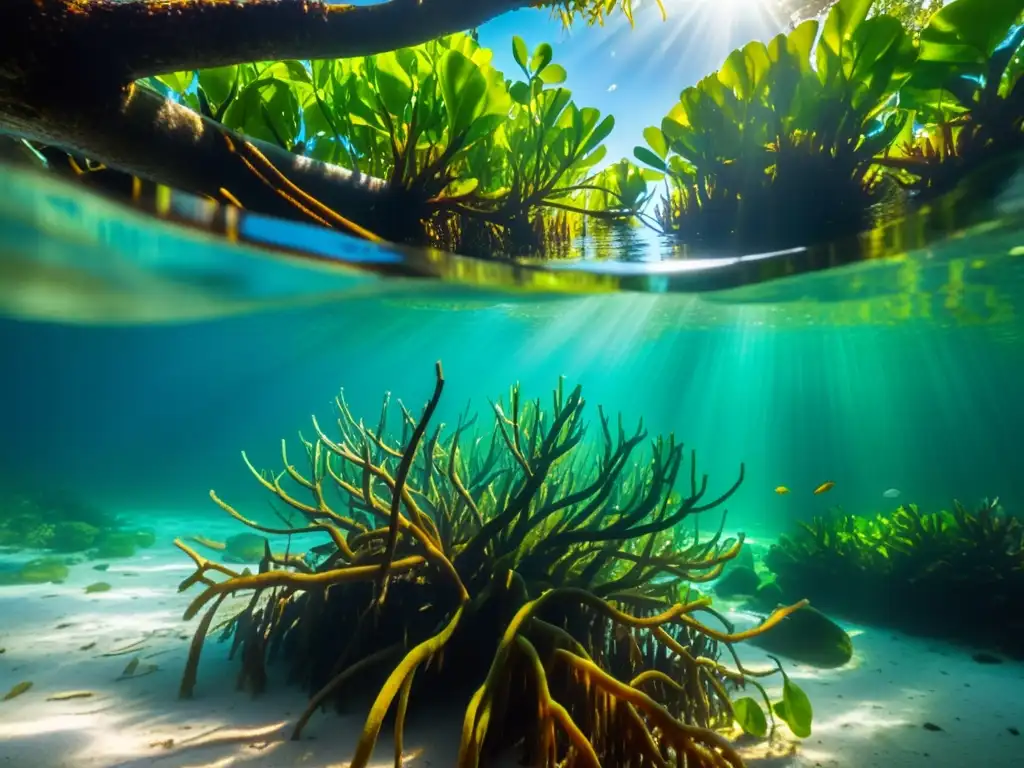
520 93
840 24
541 58
644 155
779 708
844 17
745 69
750 717
553 74
968 31
520 52
484 126
324 70
394 84
179 82
217 82
797 711
461 187
592 159
464 89
656 140
879 58
601 132
266 109
799 43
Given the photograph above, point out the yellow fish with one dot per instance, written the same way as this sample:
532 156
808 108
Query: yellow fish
824 487
782 490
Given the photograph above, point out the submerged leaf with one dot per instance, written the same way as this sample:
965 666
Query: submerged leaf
17 690
750 717
797 709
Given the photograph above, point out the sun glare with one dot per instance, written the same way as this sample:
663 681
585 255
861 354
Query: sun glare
696 34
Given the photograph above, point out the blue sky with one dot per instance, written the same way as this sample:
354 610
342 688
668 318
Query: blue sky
648 65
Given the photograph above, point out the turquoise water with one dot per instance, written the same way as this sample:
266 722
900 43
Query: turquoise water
133 340
140 360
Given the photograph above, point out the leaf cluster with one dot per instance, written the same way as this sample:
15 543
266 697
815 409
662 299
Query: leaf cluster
951 572
438 122
784 144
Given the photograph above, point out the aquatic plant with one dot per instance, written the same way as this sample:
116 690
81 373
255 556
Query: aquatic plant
556 570
801 140
59 522
955 574
966 96
773 151
117 123
484 165
914 15
186 143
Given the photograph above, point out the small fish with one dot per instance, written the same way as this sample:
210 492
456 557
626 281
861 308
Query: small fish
782 490
892 493
17 690
99 586
824 487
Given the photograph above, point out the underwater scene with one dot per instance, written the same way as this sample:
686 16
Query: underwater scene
356 411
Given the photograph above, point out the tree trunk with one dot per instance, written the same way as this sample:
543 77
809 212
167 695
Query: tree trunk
66 68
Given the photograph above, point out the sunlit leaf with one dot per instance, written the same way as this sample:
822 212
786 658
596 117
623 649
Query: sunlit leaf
795 709
541 58
656 141
968 31
178 82
393 82
464 88
520 52
553 74
840 24
601 132
461 187
750 717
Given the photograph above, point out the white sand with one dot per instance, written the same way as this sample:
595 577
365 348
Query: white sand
870 713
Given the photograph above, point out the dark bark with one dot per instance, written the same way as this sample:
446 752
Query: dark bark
134 39
66 67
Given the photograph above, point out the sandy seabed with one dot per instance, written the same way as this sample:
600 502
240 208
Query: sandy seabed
869 714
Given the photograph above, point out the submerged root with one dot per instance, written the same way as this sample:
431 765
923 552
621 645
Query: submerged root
551 570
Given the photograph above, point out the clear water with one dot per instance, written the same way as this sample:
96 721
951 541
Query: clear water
139 360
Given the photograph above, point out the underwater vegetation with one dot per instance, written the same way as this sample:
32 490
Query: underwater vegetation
954 574
62 525
810 137
554 567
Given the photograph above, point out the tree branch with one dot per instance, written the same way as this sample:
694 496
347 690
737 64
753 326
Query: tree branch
158 139
66 67
140 38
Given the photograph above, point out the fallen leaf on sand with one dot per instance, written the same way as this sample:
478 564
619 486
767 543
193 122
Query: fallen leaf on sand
17 690
68 695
